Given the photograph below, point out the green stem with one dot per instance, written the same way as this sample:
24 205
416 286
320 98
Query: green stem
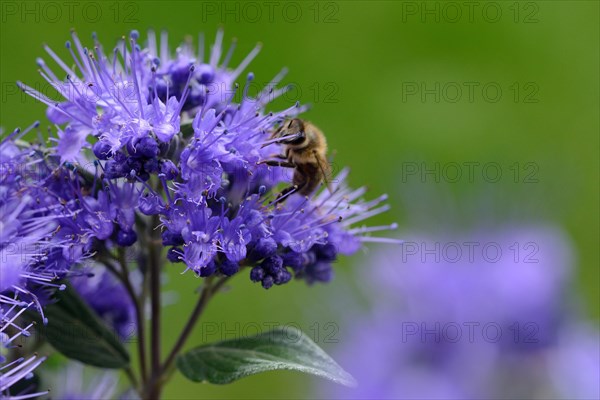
123 276
139 316
154 387
207 292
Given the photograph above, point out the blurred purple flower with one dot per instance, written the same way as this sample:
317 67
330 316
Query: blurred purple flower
115 309
574 362
76 381
481 316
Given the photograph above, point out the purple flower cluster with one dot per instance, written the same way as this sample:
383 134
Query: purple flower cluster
47 222
47 227
166 146
474 326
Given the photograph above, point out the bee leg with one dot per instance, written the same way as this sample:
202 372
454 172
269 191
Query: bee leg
275 163
283 194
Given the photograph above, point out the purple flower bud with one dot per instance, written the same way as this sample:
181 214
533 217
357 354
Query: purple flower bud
257 274
172 238
267 282
132 164
208 269
319 272
126 238
282 276
101 150
205 73
114 169
169 170
294 260
179 73
265 247
326 252
272 264
161 88
147 147
309 258
150 204
229 267
151 165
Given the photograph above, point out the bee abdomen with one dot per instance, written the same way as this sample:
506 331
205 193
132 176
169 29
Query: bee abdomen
307 177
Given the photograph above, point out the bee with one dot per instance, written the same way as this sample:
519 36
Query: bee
305 150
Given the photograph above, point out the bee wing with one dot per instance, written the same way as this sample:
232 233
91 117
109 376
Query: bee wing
325 170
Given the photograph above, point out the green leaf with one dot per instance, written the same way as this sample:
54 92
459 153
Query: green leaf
75 330
281 348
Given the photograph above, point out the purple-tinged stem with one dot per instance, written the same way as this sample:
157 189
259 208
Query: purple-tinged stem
154 261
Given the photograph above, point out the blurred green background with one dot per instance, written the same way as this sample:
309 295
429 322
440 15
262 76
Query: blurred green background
383 79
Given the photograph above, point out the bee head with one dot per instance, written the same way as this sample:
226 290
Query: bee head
292 132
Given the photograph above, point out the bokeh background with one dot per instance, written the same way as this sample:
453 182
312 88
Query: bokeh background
398 87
